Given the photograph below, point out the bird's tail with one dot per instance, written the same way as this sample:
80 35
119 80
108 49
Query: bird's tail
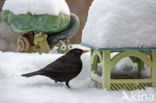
30 74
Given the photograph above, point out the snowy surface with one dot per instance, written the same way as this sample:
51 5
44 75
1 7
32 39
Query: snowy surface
39 89
52 7
121 24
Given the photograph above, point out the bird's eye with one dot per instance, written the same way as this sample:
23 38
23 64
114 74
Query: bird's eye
69 47
63 47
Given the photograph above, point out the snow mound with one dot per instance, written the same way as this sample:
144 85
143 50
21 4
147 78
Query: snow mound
51 7
121 24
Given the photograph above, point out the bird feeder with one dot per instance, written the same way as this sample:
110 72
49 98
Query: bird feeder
41 24
127 27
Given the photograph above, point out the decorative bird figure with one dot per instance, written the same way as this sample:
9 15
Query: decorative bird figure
64 46
64 68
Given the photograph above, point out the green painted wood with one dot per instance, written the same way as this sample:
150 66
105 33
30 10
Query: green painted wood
94 59
141 66
132 81
118 49
95 55
153 68
135 60
106 72
139 57
96 79
131 53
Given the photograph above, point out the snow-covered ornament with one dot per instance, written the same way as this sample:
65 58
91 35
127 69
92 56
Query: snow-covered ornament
32 17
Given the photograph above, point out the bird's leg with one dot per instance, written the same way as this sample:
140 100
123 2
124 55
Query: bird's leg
55 81
67 84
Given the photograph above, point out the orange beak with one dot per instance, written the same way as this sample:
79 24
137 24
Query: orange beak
85 51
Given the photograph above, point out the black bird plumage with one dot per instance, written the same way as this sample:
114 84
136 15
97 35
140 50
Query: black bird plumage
64 68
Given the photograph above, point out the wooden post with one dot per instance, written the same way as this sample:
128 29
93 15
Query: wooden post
153 72
106 64
93 61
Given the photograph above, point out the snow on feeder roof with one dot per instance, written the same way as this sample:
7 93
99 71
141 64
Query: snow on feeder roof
121 24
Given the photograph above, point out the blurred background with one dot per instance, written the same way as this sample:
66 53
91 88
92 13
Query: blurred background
79 7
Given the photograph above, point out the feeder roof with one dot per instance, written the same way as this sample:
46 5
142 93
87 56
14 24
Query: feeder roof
36 7
121 24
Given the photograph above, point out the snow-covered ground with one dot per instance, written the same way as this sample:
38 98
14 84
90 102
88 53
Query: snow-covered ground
39 89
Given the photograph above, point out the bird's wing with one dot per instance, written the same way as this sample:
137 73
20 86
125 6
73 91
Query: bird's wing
62 67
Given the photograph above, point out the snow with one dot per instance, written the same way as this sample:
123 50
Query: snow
37 7
121 24
124 67
39 89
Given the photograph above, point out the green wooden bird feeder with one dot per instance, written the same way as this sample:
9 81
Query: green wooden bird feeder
127 28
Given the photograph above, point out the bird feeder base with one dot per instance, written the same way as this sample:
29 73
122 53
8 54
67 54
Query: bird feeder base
117 82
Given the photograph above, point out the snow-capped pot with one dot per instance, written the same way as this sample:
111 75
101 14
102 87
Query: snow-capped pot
44 17
121 24
23 16
25 23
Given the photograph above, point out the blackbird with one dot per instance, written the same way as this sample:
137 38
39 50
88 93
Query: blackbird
64 68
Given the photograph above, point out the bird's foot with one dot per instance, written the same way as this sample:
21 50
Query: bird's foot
67 84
